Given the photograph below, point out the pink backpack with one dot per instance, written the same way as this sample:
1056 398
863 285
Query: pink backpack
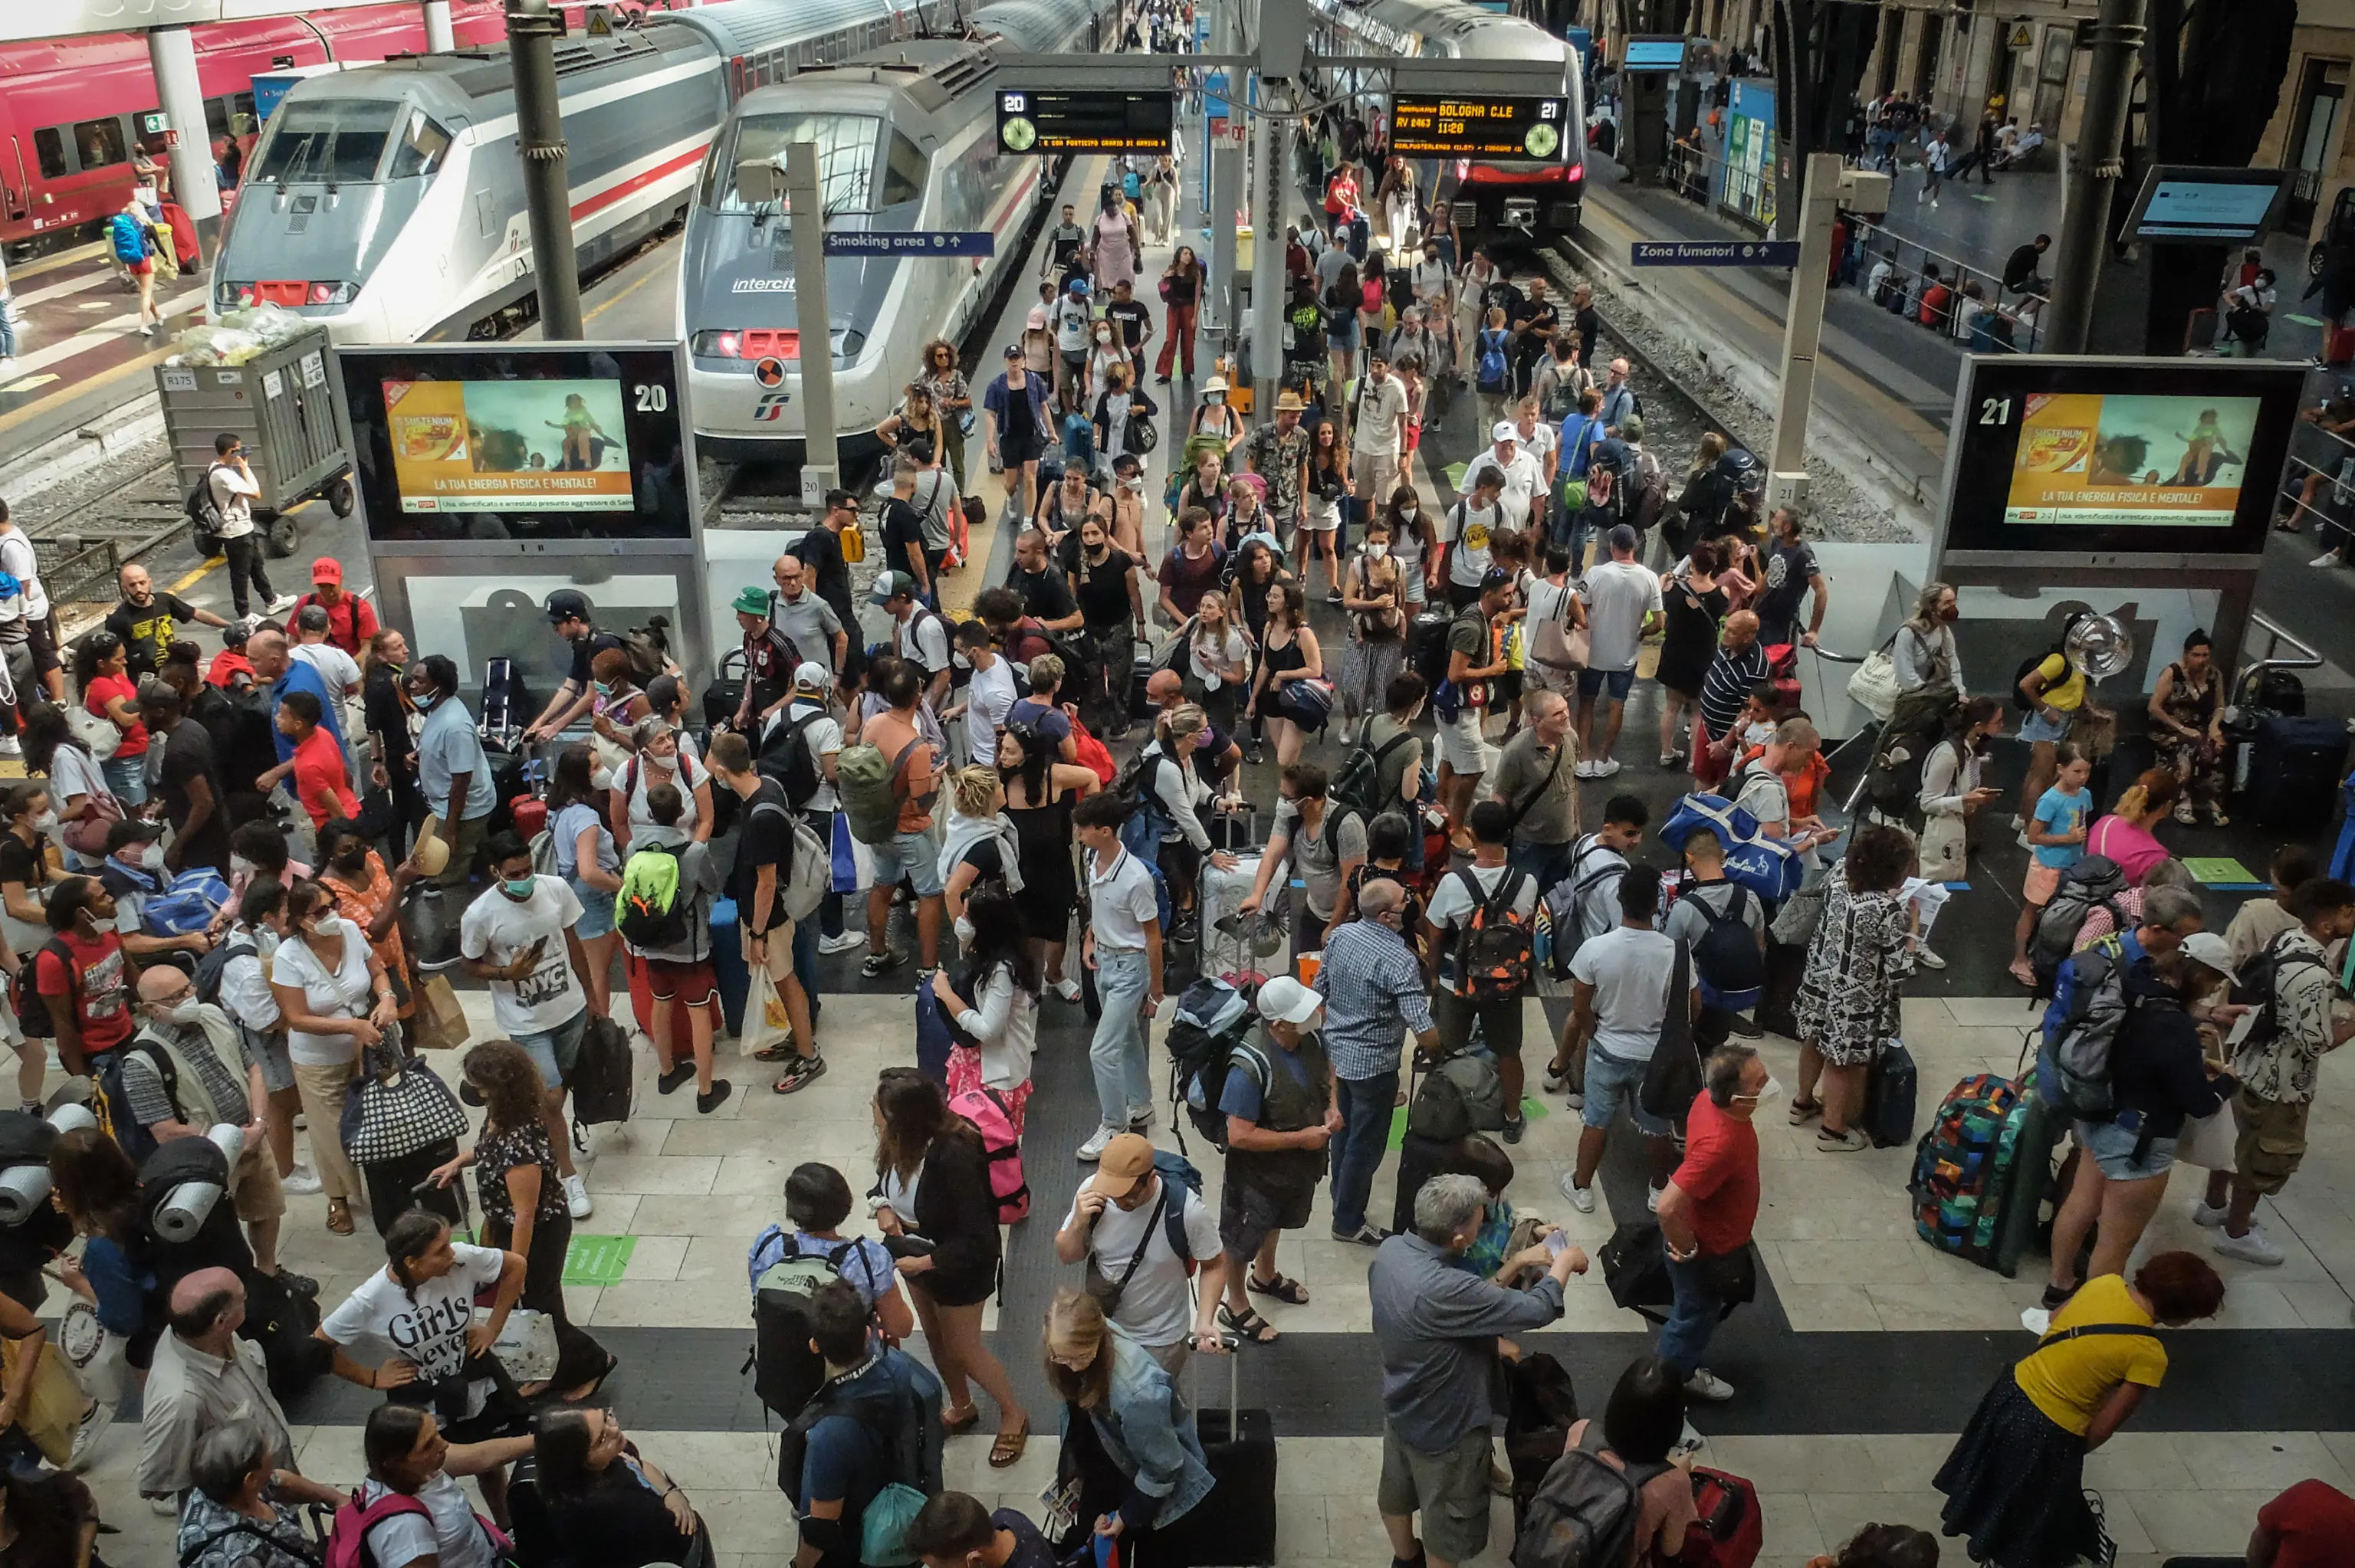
347 1535
987 1112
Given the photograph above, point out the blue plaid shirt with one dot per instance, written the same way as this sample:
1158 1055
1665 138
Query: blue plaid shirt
1374 992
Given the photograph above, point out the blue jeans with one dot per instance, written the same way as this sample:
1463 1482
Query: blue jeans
1365 1112
126 777
1691 1320
1117 1054
1547 864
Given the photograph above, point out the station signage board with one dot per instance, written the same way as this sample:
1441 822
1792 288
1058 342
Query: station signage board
1478 125
1078 120
910 243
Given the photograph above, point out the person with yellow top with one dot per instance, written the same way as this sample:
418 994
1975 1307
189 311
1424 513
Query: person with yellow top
2055 693
2015 1482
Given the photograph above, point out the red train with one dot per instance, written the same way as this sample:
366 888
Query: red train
70 108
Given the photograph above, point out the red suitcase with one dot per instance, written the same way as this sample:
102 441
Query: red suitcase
1731 1531
530 816
642 1007
2338 346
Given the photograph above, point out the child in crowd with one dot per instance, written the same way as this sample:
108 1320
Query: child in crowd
2056 840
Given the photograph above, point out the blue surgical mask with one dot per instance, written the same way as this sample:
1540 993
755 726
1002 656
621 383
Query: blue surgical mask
604 688
520 889
424 700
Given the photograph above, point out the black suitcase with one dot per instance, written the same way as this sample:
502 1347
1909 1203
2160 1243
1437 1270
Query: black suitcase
1426 646
1419 1160
2294 770
1786 966
1141 669
1890 1092
1236 1523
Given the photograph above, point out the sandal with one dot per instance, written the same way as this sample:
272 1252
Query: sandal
340 1209
588 1391
1007 1452
952 1424
1289 1291
1804 1111
1249 1324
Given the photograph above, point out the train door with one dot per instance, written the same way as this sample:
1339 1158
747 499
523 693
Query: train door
15 189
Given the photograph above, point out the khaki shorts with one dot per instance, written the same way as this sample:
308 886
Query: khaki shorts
2272 1142
254 1187
780 938
1461 744
1450 1490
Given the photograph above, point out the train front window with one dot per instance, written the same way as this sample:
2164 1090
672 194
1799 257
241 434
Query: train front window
49 148
324 141
419 151
845 158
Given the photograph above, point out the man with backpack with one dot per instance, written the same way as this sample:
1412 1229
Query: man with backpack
1618 1005
229 488
2278 1064
869 1436
919 635
1724 927
1374 994
205 1375
1144 1231
801 751
1280 1116
1709 1209
900 791
765 863
351 620
1480 921
1438 1325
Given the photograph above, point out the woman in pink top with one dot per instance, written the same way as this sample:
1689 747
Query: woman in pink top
2124 835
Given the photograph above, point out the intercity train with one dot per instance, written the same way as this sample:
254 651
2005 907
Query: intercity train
386 202
907 138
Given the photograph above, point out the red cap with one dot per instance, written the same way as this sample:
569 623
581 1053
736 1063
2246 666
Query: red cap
326 569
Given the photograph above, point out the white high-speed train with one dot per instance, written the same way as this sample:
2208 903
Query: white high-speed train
908 140
387 201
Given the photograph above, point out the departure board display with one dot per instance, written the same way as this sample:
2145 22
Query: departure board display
1097 120
1427 125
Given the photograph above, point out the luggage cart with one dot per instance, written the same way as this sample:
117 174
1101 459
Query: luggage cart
282 405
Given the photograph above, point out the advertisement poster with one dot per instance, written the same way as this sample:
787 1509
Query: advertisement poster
2091 459
508 446
1749 181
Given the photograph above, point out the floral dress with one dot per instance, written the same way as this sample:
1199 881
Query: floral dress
2194 708
1857 963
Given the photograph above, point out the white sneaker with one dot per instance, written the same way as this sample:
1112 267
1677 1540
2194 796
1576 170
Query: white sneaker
848 941
1651 1199
1706 1384
1581 1198
1068 988
2327 558
11 746
1606 768
164 1508
2206 1217
1093 1150
2254 1247
1584 770
1928 959
94 1424
1575 1100
282 603
302 1181
576 1196
1690 1441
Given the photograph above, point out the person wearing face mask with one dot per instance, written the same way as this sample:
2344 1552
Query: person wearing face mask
453 772
369 897
615 705
336 999
386 710
131 873
245 995
660 759
1857 961
1708 1210
1217 419
1373 592
1106 354
186 1071
1127 498
25 882
190 782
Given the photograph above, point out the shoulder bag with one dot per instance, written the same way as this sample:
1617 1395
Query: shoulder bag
398 1106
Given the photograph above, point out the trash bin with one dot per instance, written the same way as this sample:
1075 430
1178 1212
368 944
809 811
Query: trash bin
282 405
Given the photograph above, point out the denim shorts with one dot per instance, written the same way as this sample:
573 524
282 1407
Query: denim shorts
558 1051
2036 727
1621 682
2112 1148
912 856
1608 1081
596 910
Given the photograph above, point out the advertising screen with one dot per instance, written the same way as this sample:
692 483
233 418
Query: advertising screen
2090 460
2203 209
1654 54
515 446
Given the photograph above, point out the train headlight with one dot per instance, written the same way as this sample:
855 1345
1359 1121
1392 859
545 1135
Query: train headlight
333 294
226 293
728 345
846 342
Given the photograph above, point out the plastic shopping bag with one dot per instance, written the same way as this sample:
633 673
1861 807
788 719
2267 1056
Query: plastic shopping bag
765 1023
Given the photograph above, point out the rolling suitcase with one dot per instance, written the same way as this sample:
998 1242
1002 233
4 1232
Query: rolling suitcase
728 964
1890 1092
1240 1446
2294 770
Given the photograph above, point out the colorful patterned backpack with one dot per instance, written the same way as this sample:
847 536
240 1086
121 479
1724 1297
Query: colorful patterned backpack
1963 1167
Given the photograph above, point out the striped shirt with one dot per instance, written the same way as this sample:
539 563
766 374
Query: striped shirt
1726 687
1373 992
221 1082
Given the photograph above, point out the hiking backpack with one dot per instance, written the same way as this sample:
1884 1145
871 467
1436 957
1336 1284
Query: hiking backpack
987 1109
1963 1166
785 1369
2096 879
1494 368
905 1420
128 236
650 908
1458 1097
2084 1039
870 788
1556 922
1210 1018
1360 778
1583 1513
1491 947
1726 960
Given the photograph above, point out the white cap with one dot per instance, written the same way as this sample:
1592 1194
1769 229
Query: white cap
809 675
1285 1000
1505 430
2208 951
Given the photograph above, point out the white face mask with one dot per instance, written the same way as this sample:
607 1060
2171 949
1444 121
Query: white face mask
1407 512
1134 483
151 857
46 823
963 930
239 866
182 1012
1771 1089
325 926
265 943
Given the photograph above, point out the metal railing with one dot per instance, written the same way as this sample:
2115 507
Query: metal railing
2006 323
2306 485
2253 671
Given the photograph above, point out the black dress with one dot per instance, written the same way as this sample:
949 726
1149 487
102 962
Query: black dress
957 1212
1051 881
578 1358
1690 641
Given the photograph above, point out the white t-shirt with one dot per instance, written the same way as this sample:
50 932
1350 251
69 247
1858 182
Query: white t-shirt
687 774
1157 1307
1468 561
425 1327
988 697
16 558
1765 796
1524 478
1380 407
1620 596
1629 971
1452 901
346 993
339 670
233 495
452 1533
1538 445
497 928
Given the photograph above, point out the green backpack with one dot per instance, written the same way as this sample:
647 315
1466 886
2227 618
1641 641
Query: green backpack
648 911
871 788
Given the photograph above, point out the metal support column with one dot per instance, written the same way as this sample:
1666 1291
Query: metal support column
172 54
532 32
438 38
2092 177
1803 327
804 203
1267 248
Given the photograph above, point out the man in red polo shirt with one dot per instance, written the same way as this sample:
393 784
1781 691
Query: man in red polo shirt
351 620
2308 1526
1708 1208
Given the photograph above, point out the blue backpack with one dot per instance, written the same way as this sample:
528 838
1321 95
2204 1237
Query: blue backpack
129 237
1578 449
1494 367
188 904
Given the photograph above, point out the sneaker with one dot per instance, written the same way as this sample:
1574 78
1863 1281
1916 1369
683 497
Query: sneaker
2254 1247
1690 1441
2206 1217
1605 768
1747 1027
576 1196
847 942
1333 596
1141 1118
167 1508
1556 1076
668 1083
1651 1199
1093 1150
2327 558
1706 1384
705 1104
1252 754
282 603
1364 1235
1852 1141
800 1073
1670 761
1584 770
1928 959
1581 1198
879 964
1575 1100
1515 1126
1068 988
302 1181
11 746
93 1427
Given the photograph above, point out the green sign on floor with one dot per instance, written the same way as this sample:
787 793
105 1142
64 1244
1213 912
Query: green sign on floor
2220 870
598 1260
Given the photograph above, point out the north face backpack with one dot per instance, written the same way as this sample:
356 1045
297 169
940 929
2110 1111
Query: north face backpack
650 912
785 1369
1583 1513
1492 942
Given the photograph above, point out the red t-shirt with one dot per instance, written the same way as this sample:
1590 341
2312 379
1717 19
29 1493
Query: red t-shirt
227 666
104 688
2312 1521
1720 1175
351 620
320 780
100 989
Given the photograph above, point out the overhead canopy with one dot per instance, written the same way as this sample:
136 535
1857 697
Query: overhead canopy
71 18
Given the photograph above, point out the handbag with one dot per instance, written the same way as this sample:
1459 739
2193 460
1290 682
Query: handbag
440 1023
55 1404
1873 686
87 834
1557 644
1794 922
96 1355
1313 701
398 1106
2209 1141
96 735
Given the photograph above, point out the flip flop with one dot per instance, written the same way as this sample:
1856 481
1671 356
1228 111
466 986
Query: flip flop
1007 1452
1290 1292
2021 972
1249 1324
